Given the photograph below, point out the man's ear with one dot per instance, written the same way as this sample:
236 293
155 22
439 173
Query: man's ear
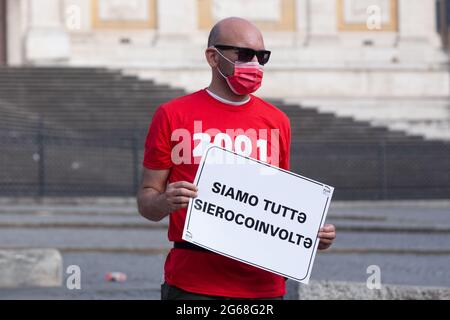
211 57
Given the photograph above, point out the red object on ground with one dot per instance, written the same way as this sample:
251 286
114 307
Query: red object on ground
116 277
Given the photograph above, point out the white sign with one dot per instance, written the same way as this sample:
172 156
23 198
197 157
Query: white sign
257 213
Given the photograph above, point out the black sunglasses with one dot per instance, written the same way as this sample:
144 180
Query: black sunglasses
247 54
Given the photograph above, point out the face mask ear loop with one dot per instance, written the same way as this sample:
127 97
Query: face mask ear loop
218 69
224 56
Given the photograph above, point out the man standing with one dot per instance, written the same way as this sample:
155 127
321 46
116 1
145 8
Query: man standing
222 114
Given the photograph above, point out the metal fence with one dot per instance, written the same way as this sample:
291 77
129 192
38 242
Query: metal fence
52 163
377 170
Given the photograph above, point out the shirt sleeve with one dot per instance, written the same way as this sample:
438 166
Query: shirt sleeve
158 149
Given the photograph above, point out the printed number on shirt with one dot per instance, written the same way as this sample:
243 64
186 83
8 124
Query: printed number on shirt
241 145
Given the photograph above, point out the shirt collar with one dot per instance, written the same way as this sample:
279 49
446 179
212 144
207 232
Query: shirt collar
234 103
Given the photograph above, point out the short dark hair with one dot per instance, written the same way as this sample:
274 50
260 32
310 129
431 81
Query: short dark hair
214 36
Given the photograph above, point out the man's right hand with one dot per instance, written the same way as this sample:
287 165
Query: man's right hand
177 195
156 199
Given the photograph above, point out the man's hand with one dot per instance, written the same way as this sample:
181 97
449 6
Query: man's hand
156 199
178 194
326 234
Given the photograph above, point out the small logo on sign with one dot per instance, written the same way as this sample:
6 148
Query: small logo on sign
188 235
326 190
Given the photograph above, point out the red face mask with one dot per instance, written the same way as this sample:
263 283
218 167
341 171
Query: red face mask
247 76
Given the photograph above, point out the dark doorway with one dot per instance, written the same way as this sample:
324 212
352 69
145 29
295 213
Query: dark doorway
2 32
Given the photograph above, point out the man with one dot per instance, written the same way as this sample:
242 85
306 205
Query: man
225 110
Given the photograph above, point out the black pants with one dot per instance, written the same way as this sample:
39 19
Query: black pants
169 292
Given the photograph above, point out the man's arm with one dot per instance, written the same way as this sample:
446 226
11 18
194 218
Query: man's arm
157 199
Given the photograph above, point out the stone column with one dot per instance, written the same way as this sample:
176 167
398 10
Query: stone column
419 40
417 21
303 21
16 30
47 41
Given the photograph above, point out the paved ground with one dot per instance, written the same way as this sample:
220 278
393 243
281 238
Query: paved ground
410 242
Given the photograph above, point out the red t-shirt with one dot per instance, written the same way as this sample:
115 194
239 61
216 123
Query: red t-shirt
181 127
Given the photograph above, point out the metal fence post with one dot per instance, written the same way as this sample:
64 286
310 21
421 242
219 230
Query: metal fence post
383 170
41 163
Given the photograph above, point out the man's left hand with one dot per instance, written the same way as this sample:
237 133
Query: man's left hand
326 234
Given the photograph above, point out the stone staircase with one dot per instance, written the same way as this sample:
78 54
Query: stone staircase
427 117
80 131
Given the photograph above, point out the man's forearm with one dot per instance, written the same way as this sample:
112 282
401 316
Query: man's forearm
151 205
